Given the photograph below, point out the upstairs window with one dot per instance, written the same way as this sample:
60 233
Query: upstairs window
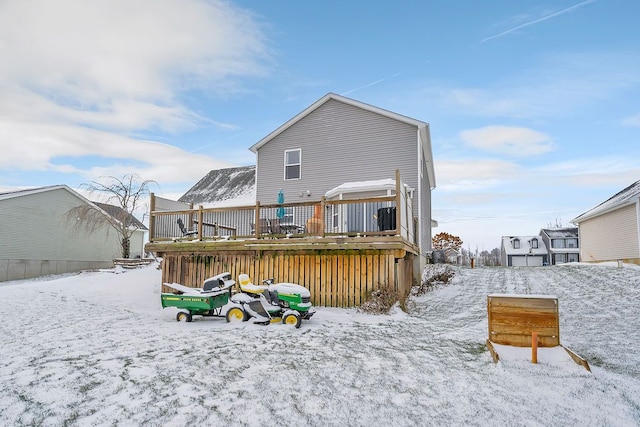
292 163
516 243
572 243
534 243
557 243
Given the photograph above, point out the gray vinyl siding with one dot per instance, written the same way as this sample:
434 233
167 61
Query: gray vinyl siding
37 237
343 143
424 211
611 236
340 143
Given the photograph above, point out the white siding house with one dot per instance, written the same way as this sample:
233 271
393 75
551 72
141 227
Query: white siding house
39 238
611 230
523 251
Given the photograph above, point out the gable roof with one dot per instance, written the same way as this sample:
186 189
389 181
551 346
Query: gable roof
223 185
628 196
121 215
421 126
28 191
561 233
525 245
361 186
113 211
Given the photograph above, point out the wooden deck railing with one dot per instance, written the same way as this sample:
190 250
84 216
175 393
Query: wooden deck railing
384 215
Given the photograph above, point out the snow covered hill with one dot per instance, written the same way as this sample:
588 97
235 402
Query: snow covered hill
97 349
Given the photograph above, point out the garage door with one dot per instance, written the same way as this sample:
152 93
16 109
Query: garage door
531 261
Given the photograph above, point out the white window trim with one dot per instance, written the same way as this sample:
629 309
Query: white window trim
293 164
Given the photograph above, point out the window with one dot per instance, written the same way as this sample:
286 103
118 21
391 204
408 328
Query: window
557 243
292 162
572 243
560 258
516 243
572 257
534 243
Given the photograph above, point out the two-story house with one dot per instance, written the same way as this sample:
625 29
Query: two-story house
338 140
523 251
342 206
562 244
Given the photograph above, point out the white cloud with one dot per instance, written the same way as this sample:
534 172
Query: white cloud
42 144
91 51
472 175
551 86
71 67
512 141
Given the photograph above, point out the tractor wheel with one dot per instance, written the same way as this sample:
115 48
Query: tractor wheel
292 319
184 317
236 314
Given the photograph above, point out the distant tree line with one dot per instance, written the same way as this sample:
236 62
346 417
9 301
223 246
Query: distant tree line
450 247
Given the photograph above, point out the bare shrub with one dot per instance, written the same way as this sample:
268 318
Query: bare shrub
380 301
433 276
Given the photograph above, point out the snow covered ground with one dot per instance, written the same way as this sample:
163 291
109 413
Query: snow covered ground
97 349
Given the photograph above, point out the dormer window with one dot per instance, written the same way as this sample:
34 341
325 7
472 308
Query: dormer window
534 243
516 243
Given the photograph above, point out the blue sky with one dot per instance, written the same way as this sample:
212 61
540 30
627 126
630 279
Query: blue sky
533 105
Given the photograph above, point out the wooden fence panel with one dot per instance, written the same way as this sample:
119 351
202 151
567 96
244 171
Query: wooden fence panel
513 318
334 279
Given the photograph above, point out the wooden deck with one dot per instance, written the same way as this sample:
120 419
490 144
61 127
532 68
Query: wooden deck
338 271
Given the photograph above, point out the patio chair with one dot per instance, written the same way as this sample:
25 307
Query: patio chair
265 226
275 226
186 231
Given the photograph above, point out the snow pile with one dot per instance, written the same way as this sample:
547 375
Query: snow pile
97 349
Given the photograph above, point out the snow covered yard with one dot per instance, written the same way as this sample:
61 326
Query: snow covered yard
97 349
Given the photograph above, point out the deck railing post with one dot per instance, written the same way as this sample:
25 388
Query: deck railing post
200 219
257 220
323 201
152 217
398 204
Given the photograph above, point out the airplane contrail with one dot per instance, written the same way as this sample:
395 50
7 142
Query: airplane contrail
535 21
369 84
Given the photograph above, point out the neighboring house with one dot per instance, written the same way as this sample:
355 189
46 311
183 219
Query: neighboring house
39 237
562 244
338 140
523 251
223 187
229 187
611 230
138 229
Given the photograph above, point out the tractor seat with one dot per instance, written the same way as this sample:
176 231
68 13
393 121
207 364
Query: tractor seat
248 287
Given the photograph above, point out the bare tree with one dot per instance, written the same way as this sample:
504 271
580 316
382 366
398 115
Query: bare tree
126 194
557 224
